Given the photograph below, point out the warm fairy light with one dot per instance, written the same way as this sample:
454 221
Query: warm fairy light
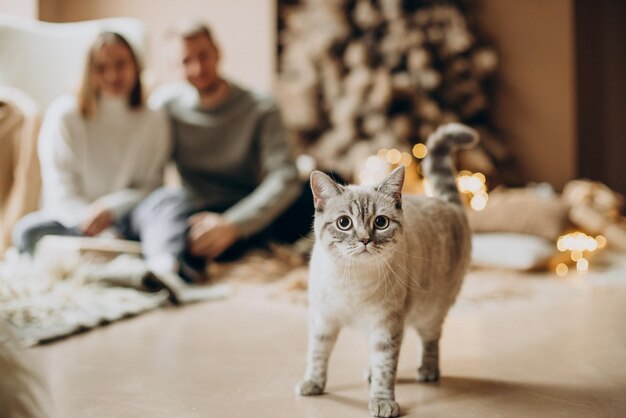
474 187
420 151
479 201
382 153
373 163
428 189
406 159
576 255
579 246
577 241
374 170
481 177
469 184
393 156
561 269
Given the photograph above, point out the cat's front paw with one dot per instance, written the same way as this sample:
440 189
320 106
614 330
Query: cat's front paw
309 388
427 374
384 408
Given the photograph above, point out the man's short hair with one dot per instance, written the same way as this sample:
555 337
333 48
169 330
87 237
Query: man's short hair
191 29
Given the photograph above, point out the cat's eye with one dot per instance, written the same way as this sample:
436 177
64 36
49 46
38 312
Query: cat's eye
344 223
381 222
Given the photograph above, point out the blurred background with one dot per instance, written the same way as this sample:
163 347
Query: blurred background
555 98
362 83
558 98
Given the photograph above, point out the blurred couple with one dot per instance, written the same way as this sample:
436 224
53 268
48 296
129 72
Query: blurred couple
103 153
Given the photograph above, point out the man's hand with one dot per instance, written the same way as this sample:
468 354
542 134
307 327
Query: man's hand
210 234
98 219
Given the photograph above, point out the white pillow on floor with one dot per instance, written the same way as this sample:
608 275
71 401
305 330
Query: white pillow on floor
511 251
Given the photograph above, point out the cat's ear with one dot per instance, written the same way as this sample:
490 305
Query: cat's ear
392 185
323 188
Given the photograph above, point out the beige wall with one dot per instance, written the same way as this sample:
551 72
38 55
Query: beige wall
20 8
245 29
535 103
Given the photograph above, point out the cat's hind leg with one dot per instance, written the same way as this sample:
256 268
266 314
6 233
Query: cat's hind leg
322 338
429 368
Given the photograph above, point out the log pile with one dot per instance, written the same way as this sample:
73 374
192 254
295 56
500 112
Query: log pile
357 76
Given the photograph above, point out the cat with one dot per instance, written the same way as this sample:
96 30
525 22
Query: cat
380 261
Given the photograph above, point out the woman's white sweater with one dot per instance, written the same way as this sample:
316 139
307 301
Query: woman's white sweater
114 158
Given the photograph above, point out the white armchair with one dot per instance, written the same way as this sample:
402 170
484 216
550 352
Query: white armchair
45 60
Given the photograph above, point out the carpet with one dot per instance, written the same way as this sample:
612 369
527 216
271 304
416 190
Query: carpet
47 299
52 298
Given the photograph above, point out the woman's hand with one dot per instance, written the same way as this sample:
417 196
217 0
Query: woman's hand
97 220
210 234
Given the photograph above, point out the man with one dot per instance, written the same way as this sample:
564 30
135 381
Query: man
237 172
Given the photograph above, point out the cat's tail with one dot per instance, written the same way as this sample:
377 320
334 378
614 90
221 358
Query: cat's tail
438 166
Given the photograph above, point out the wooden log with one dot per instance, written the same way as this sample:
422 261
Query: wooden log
484 62
380 92
402 128
391 9
357 82
356 55
366 16
418 59
332 86
373 123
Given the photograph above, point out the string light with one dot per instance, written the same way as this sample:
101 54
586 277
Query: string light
374 170
577 241
393 156
576 255
481 177
479 201
474 187
561 269
580 246
420 151
428 189
405 159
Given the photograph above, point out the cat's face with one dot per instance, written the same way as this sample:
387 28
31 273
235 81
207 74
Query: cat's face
355 222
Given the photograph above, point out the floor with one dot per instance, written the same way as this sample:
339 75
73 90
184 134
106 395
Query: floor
241 357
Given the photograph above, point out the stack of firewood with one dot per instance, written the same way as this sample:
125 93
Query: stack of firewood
358 76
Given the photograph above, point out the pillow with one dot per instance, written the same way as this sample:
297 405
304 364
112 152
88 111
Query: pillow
511 251
526 211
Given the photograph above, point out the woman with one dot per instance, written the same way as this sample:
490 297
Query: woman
101 152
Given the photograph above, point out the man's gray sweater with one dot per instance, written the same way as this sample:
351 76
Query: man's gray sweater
233 158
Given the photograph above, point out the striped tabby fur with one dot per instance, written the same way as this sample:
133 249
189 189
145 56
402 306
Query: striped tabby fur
381 261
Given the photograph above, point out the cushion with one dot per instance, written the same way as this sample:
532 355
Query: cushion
526 211
511 251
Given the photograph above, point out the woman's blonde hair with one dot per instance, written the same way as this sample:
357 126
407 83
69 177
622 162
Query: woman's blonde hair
88 94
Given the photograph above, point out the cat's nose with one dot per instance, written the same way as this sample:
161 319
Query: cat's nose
365 241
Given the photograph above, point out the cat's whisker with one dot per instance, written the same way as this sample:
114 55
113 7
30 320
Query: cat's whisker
405 284
408 273
391 284
412 256
346 278
384 276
